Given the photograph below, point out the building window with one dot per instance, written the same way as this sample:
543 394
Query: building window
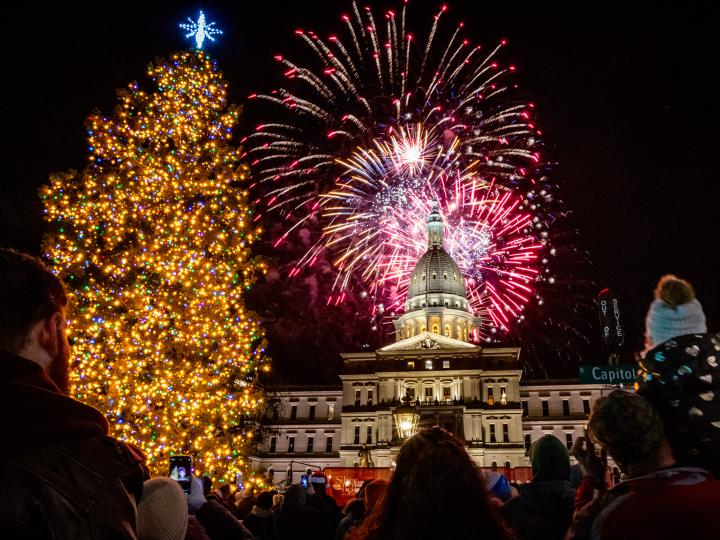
545 408
423 277
368 435
492 433
503 395
293 412
507 465
586 406
447 393
311 414
566 407
569 440
428 364
490 396
356 438
291 444
370 396
328 444
411 364
454 277
331 411
494 465
273 445
525 408
429 394
506 433
528 441
357 397
410 391
310 445
434 275
444 275
446 364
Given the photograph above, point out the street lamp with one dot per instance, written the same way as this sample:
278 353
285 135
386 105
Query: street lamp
406 418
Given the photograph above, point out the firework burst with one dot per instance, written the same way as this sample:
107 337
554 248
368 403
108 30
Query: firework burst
378 126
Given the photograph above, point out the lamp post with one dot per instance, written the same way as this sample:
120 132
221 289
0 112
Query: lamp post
406 418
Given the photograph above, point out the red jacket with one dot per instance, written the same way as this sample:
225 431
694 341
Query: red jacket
674 503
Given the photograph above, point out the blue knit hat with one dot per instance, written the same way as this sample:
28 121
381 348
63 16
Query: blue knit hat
674 312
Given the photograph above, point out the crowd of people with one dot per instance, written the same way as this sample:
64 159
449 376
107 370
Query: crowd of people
63 476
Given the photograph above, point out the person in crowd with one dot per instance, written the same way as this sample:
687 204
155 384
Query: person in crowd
499 488
658 498
163 513
62 475
543 510
371 493
680 373
260 519
218 521
244 506
294 519
325 505
207 484
436 491
278 500
353 513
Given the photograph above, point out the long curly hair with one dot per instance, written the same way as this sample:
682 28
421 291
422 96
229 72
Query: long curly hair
437 491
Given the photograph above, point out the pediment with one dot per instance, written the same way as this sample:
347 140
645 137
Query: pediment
427 341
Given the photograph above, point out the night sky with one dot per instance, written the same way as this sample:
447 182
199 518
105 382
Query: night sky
626 100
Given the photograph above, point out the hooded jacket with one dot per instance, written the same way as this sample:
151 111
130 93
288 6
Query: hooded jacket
544 508
62 475
681 378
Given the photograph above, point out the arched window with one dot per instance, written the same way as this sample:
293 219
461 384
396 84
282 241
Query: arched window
507 465
454 276
423 277
444 275
423 329
414 279
435 328
448 330
434 275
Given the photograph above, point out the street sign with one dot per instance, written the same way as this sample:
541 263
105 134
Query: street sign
605 374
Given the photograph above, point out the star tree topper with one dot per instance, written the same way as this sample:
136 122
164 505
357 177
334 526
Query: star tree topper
199 30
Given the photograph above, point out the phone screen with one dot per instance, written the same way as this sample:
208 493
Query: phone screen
304 481
180 470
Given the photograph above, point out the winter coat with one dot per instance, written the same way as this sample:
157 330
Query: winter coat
220 524
681 377
260 523
330 514
61 475
294 520
542 510
668 504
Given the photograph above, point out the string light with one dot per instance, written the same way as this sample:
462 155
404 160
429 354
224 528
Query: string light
153 239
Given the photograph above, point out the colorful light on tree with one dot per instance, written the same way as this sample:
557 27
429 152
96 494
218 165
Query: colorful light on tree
153 239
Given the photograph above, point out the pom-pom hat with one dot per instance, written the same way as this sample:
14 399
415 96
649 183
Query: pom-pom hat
674 312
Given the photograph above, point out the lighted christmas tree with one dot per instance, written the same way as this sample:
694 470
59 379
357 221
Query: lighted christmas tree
153 239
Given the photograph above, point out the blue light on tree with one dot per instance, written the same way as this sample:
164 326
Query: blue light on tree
199 30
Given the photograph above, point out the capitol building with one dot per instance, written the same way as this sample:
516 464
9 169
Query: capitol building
432 371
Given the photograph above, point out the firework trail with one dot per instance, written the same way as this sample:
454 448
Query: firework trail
377 127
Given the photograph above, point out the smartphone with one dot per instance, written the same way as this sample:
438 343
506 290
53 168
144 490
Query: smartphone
180 471
304 481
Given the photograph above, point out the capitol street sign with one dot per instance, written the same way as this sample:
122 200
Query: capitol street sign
605 374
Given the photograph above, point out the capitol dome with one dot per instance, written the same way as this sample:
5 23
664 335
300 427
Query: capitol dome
437 301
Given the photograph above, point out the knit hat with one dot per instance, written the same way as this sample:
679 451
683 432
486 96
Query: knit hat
498 485
549 459
626 425
163 510
674 312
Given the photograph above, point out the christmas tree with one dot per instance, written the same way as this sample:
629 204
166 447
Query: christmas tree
153 240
